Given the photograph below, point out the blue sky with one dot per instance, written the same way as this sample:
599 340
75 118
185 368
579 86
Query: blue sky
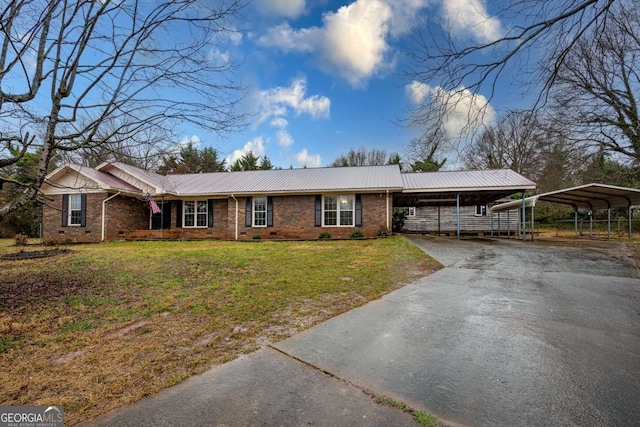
326 76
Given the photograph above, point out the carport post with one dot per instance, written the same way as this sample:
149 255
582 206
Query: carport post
533 223
609 223
508 223
629 216
458 216
575 219
524 219
491 222
591 224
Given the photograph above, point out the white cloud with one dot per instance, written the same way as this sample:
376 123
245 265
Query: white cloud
256 145
310 161
351 42
284 138
285 8
460 113
279 122
471 18
417 91
276 103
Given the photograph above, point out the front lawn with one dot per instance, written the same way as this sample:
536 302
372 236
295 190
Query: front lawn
104 325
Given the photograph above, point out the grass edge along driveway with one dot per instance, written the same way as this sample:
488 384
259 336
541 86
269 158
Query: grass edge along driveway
105 325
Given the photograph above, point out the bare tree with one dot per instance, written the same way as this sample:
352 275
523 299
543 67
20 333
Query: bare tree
71 69
542 34
366 157
598 88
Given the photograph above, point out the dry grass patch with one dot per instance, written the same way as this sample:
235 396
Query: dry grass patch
105 325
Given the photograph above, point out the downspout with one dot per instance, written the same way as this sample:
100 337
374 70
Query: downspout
236 200
388 226
104 207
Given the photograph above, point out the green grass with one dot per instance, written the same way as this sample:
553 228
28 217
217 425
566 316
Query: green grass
105 324
425 419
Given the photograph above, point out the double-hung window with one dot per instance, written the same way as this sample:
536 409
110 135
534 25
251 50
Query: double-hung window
195 213
481 210
338 211
259 211
75 209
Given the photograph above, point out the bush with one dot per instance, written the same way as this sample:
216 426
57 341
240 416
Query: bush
60 241
21 239
324 235
397 219
357 234
257 237
383 231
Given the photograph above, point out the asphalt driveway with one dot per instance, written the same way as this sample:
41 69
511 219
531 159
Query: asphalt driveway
510 333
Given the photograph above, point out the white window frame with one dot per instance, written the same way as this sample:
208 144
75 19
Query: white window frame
257 220
411 211
198 215
78 199
339 198
481 210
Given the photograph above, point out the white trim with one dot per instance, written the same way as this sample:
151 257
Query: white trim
195 213
338 211
70 211
253 211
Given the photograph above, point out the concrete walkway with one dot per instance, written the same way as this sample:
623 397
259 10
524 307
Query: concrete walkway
510 333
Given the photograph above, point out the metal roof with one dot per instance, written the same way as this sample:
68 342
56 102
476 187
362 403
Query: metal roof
452 181
308 180
584 197
447 188
160 182
104 180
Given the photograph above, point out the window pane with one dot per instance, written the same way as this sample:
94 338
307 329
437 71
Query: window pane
260 212
75 202
346 203
76 217
202 207
330 218
330 203
189 207
346 217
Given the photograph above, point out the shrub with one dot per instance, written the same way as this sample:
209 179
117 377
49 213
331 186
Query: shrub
383 231
357 234
21 239
257 237
397 219
324 235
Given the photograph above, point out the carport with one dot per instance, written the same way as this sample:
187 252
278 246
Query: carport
588 197
459 188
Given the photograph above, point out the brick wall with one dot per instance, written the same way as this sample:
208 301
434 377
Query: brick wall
294 218
128 218
122 214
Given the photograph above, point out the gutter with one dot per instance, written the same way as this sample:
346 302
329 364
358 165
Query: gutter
236 200
104 203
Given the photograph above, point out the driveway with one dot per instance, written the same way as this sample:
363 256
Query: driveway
510 333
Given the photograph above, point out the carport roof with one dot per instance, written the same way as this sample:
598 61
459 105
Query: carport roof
474 187
584 197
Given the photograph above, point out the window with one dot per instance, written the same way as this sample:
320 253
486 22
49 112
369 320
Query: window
481 210
338 211
259 211
196 213
75 209
408 211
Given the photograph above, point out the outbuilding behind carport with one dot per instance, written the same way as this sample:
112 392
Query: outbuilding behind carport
588 197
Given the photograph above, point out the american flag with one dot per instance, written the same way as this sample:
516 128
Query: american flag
154 206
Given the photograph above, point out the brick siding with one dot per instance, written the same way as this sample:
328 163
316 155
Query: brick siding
128 219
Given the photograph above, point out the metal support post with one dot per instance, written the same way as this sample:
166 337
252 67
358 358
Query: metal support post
458 216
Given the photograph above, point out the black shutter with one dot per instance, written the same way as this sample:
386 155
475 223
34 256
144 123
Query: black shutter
269 211
318 210
358 210
65 209
210 213
166 215
83 210
247 218
178 213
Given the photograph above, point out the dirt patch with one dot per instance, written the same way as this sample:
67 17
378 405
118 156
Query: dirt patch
634 252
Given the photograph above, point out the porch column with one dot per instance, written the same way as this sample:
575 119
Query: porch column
524 218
